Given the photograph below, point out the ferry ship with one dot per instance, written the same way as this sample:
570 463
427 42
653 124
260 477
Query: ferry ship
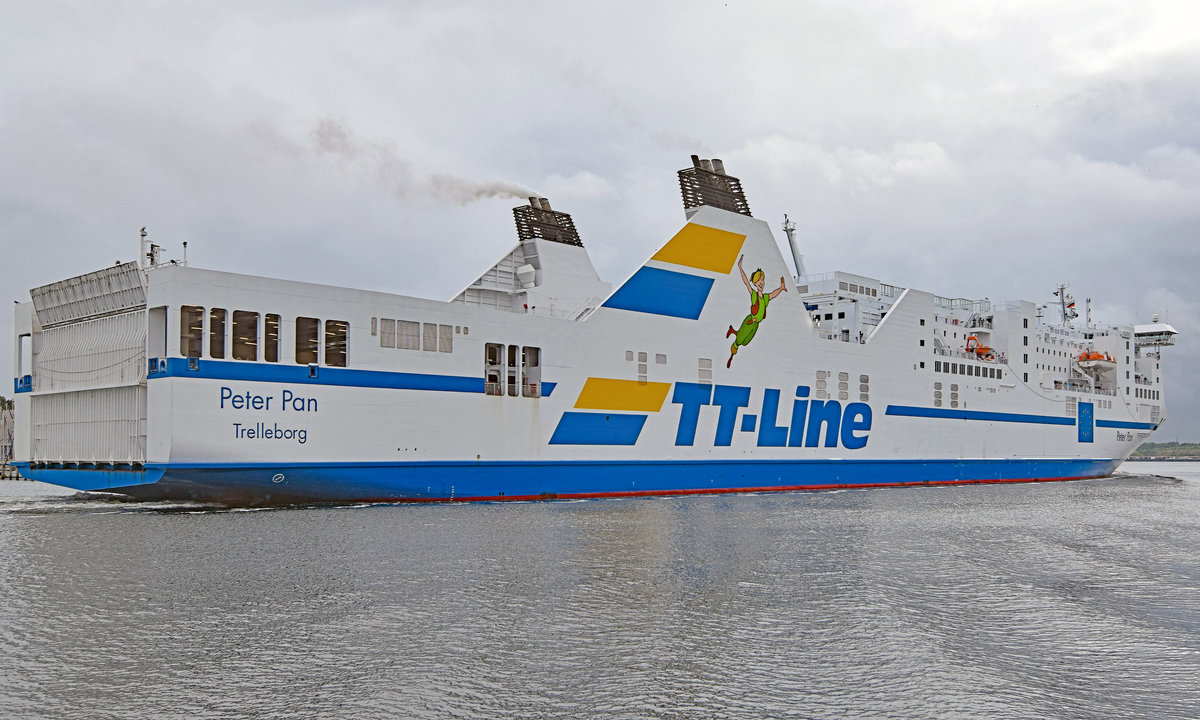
712 369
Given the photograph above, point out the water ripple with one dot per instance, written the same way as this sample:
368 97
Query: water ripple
1068 600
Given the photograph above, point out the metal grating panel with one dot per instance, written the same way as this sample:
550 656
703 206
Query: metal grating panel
104 292
106 425
705 187
545 224
103 351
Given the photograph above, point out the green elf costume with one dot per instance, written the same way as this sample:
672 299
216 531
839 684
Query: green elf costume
756 284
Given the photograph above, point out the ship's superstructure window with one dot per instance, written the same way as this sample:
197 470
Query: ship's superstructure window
513 390
308 340
216 333
704 370
493 368
517 368
413 335
531 371
245 335
191 331
387 332
335 342
409 334
271 337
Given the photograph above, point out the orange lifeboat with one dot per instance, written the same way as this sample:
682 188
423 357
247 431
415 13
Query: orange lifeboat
983 352
1093 360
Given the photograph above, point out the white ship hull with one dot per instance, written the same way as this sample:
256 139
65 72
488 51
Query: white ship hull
537 381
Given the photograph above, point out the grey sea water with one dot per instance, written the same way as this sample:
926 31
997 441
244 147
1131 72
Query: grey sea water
1058 600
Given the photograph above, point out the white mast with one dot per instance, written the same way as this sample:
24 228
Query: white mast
789 228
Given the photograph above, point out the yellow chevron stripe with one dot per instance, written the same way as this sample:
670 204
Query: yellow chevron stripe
610 394
702 247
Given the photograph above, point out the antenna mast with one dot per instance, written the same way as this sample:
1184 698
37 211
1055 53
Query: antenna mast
789 229
142 249
1066 304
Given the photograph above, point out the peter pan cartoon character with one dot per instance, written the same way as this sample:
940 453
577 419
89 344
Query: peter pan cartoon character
756 284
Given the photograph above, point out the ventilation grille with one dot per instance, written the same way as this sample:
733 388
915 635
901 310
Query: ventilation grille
537 220
705 183
109 291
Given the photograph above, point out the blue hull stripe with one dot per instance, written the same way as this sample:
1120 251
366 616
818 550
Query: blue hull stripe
576 428
91 479
662 292
342 377
276 483
908 411
1125 425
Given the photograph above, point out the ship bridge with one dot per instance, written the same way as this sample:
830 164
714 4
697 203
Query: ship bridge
1155 334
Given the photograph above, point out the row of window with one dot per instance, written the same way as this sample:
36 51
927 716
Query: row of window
963 369
517 368
245 340
413 335
1145 394
854 288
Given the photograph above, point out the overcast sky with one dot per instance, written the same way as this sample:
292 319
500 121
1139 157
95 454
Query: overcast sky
973 149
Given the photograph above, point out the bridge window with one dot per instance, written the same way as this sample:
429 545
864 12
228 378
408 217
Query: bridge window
335 342
216 332
191 331
245 335
307 340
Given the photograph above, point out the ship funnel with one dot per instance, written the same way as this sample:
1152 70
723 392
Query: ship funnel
537 220
705 183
